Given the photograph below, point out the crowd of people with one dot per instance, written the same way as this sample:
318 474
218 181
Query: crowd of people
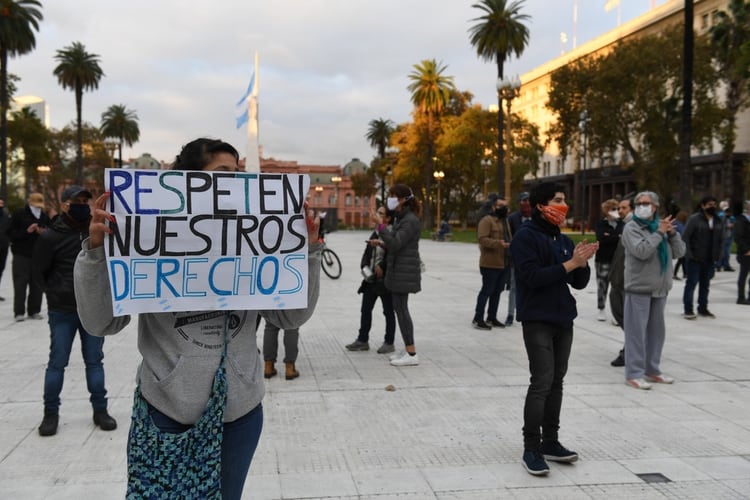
217 390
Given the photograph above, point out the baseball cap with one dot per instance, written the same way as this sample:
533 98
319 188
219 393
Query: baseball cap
74 192
523 196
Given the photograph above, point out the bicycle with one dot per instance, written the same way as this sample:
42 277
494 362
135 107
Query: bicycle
329 261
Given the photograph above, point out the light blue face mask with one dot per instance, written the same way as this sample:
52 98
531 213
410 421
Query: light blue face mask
391 203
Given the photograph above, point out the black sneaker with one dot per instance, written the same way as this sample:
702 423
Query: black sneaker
706 314
509 320
481 325
48 427
358 345
104 421
556 452
620 359
534 463
496 323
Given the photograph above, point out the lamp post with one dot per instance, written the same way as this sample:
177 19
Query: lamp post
507 90
111 146
486 163
438 175
44 171
318 191
584 126
336 179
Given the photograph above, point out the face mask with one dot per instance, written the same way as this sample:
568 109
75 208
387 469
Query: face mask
614 214
501 212
554 214
710 211
79 212
643 211
391 203
36 211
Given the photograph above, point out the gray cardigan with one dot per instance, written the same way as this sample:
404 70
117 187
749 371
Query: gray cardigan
181 351
403 273
643 273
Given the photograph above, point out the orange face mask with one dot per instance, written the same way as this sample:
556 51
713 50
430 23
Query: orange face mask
554 214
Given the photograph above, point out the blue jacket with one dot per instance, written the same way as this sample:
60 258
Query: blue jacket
542 292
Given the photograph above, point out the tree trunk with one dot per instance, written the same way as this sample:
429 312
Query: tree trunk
686 126
4 123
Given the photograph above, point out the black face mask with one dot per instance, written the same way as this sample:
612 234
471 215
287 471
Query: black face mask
79 212
710 211
501 212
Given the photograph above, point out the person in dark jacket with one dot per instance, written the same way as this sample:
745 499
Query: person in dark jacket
702 237
54 259
546 264
373 265
404 272
515 219
26 225
742 240
4 242
617 278
608 231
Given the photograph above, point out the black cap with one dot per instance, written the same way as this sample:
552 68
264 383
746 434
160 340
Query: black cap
74 192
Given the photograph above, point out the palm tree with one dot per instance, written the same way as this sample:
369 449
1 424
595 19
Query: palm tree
379 134
430 93
78 70
730 37
499 34
18 21
122 124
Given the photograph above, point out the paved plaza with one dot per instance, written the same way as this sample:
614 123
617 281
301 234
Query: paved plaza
451 429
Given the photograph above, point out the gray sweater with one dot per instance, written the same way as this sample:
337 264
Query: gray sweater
181 351
643 273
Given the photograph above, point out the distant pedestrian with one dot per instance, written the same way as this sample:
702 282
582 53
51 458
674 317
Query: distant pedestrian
742 240
515 219
26 225
650 245
493 235
54 258
727 230
404 273
374 265
4 241
608 231
617 277
702 237
547 263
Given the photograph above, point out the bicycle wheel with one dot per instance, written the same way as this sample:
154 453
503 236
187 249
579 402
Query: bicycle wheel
330 263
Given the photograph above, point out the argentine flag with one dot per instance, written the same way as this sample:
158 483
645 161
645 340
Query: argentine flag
242 108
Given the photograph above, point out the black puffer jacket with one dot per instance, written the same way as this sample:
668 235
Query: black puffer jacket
404 273
54 258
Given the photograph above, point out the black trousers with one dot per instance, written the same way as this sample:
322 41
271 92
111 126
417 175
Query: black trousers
548 349
21 282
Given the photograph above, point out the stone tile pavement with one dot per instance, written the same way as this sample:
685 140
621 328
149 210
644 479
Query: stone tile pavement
451 430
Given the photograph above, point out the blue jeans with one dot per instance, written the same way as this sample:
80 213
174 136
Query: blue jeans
548 349
493 282
238 446
63 327
698 273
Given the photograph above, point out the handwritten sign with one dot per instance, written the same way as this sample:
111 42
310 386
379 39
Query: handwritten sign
194 240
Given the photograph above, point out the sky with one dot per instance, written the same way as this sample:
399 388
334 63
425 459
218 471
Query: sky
327 67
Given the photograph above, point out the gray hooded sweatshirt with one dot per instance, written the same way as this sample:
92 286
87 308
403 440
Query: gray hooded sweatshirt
182 350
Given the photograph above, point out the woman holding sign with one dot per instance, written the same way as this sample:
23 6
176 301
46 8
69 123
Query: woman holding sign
403 275
197 414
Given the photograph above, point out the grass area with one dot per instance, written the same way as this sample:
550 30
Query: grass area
470 235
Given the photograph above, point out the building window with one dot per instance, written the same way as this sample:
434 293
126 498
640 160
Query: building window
705 22
558 166
366 201
348 200
331 200
356 201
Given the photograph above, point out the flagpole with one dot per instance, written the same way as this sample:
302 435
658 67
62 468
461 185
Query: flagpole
252 158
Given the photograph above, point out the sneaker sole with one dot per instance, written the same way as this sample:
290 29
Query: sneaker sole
567 459
543 472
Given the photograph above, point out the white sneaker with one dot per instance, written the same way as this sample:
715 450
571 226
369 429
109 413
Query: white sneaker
20 317
397 355
602 315
406 360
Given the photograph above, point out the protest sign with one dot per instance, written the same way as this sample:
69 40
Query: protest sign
194 240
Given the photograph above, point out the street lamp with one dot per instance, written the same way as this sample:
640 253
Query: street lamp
584 126
438 175
486 163
507 90
336 179
43 171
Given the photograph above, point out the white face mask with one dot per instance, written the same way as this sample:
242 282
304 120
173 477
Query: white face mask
391 203
36 211
614 214
643 212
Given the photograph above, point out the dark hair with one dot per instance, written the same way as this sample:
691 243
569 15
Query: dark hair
195 155
708 198
543 192
404 191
